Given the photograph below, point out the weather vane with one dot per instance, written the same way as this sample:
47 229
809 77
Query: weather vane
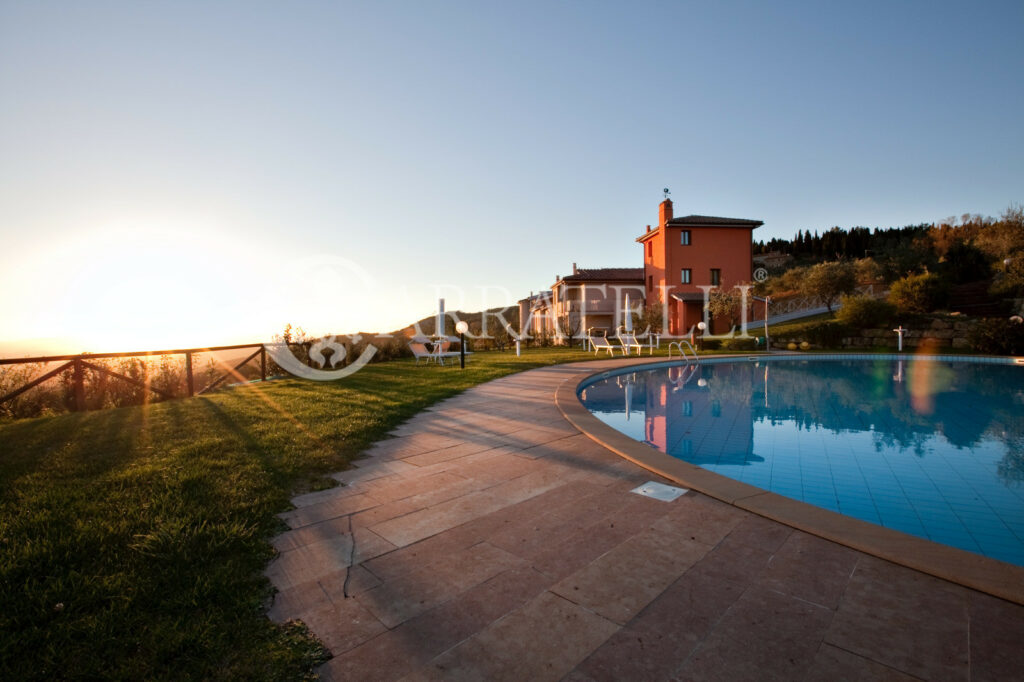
666 192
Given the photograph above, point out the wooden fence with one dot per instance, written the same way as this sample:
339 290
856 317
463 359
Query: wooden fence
77 364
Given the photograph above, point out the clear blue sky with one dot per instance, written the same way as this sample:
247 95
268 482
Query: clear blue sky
165 165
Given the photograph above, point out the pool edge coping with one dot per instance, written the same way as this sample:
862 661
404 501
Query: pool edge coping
975 571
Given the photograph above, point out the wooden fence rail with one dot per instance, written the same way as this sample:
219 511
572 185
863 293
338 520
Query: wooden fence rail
77 365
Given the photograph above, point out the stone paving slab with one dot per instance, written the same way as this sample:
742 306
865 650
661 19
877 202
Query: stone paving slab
399 599
543 640
487 539
621 582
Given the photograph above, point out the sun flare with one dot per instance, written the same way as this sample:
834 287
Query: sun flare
124 287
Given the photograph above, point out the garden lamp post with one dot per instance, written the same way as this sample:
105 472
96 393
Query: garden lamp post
462 328
700 339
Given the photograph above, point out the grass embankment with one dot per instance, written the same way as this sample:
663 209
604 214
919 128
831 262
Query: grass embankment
132 540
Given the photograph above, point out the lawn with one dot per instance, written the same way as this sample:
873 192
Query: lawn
133 540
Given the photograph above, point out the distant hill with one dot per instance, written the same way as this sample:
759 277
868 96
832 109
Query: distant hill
427 325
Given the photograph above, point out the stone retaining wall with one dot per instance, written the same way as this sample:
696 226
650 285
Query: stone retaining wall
940 332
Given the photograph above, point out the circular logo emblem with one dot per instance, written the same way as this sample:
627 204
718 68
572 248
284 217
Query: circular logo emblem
284 357
345 285
760 274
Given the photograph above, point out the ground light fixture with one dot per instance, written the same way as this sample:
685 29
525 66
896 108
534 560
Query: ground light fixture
700 339
461 327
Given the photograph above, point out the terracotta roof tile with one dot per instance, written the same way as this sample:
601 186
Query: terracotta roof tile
605 274
713 220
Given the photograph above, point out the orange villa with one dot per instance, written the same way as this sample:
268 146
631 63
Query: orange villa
590 300
684 258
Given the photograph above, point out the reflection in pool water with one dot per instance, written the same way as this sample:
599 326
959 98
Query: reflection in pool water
935 449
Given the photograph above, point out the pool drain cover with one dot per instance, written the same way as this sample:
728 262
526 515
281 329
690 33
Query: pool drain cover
659 491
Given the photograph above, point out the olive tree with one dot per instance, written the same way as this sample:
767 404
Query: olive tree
725 303
829 281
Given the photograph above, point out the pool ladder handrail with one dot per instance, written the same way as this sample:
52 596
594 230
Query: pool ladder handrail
682 351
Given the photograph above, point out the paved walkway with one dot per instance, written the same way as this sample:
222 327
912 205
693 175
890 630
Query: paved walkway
489 540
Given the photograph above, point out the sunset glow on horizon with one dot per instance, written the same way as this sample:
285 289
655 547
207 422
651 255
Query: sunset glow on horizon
201 175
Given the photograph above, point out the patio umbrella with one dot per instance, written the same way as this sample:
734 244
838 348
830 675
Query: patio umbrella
629 317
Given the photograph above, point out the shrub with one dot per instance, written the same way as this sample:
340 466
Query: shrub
827 335
739 343
918 293
997 337
865 312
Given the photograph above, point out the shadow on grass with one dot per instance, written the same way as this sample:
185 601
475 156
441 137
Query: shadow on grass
132 540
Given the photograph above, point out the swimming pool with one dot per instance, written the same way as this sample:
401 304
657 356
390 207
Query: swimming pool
933 447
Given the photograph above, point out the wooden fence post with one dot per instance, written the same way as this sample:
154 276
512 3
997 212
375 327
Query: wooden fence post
263 363
188 375
79 386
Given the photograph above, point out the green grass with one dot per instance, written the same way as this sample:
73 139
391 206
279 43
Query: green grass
133 540
798 325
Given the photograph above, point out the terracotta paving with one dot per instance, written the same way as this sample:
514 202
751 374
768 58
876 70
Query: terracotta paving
488 539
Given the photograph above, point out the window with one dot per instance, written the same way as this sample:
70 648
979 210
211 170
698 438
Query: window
716 276
684 276
650 282
684 238
650 249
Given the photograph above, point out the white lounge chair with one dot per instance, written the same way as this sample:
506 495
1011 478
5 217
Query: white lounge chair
441 351
600 343
628 340
420 352
652 340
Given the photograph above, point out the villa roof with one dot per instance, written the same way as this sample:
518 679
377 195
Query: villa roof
703 221
714 221
605 275
688 296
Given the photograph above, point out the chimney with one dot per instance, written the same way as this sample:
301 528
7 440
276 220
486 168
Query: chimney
574 269
664 212
648 228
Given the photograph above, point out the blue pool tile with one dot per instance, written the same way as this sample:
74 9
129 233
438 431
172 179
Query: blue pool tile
834 432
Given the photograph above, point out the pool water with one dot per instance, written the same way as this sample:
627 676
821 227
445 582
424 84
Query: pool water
931 448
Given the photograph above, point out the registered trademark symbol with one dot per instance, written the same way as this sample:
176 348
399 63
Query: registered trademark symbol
760 274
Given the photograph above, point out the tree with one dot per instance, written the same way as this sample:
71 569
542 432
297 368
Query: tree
965 263
787 282
1006 243
829 281
569 326
867 271
651 319
724 303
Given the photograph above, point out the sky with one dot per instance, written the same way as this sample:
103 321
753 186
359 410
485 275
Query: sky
193 173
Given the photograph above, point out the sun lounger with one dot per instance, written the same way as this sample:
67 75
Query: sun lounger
420 352
600 343
629 341
438 352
